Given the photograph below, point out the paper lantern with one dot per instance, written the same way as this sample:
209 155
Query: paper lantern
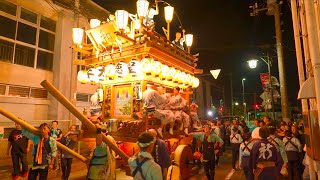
195 82
110 71
94 23
77 35
188 79
121 69
168 11
171 73
93 75
177 76
156 68
134 67
182 78
146 66
189 40
164 72
83 76
142 8
122 18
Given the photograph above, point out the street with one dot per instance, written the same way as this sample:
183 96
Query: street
223 171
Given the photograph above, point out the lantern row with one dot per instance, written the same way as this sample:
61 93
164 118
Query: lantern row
134 68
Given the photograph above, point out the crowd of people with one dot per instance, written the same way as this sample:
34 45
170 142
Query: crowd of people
266 150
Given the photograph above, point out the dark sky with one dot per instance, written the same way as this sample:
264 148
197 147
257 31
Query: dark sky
226 37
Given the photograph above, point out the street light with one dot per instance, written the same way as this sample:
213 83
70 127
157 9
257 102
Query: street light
243 100
236 103
252 65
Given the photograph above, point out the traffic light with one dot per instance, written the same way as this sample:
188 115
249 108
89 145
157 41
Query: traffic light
256 106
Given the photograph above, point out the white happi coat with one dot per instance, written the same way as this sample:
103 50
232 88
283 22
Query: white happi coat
153 99
176 104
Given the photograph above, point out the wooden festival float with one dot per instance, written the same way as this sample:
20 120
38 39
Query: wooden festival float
123 59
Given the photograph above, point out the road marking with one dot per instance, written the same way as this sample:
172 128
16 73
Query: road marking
230 174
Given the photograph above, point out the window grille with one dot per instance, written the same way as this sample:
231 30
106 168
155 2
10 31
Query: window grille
38 93
18 91
2 89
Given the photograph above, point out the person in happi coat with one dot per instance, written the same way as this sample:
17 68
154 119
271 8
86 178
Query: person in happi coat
152 99
280 147
264 157
244 154
236 140
208 139
44 152
160 153
194 116
293 148
142 165
177 103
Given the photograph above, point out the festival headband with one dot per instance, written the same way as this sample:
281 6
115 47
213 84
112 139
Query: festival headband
142 145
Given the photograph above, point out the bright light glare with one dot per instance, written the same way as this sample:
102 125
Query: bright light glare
252 63
210 113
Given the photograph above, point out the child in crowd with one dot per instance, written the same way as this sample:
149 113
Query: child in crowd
44 152
236 140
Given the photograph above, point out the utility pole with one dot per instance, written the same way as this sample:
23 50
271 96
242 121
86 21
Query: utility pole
274 9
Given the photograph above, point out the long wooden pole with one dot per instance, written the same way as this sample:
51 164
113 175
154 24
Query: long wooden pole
66 103
35 131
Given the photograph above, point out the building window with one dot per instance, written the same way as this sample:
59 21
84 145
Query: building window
27 38
8 7
45 60
10 90
24 56
9 30
6 51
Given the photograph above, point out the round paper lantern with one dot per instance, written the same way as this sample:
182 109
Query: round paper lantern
195 83
182 78
177 76
110 71
146 66
101 74
156 68
134 67
83 76
93 75
121 69
188 79
171 73
164 72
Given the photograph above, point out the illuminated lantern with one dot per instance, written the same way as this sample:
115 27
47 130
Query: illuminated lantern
195 82
177 76
101 74
83 76
156 68
110 71
182 78
134 67
189 40
77 35
164 72
146 66
94 23
93 75
171 73
188 79
168 11
122 18
121 69
142 8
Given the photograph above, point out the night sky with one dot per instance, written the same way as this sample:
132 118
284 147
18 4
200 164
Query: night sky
226 36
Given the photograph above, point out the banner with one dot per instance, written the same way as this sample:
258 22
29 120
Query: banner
265 80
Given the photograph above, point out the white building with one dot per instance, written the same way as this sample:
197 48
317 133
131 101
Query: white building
35 41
